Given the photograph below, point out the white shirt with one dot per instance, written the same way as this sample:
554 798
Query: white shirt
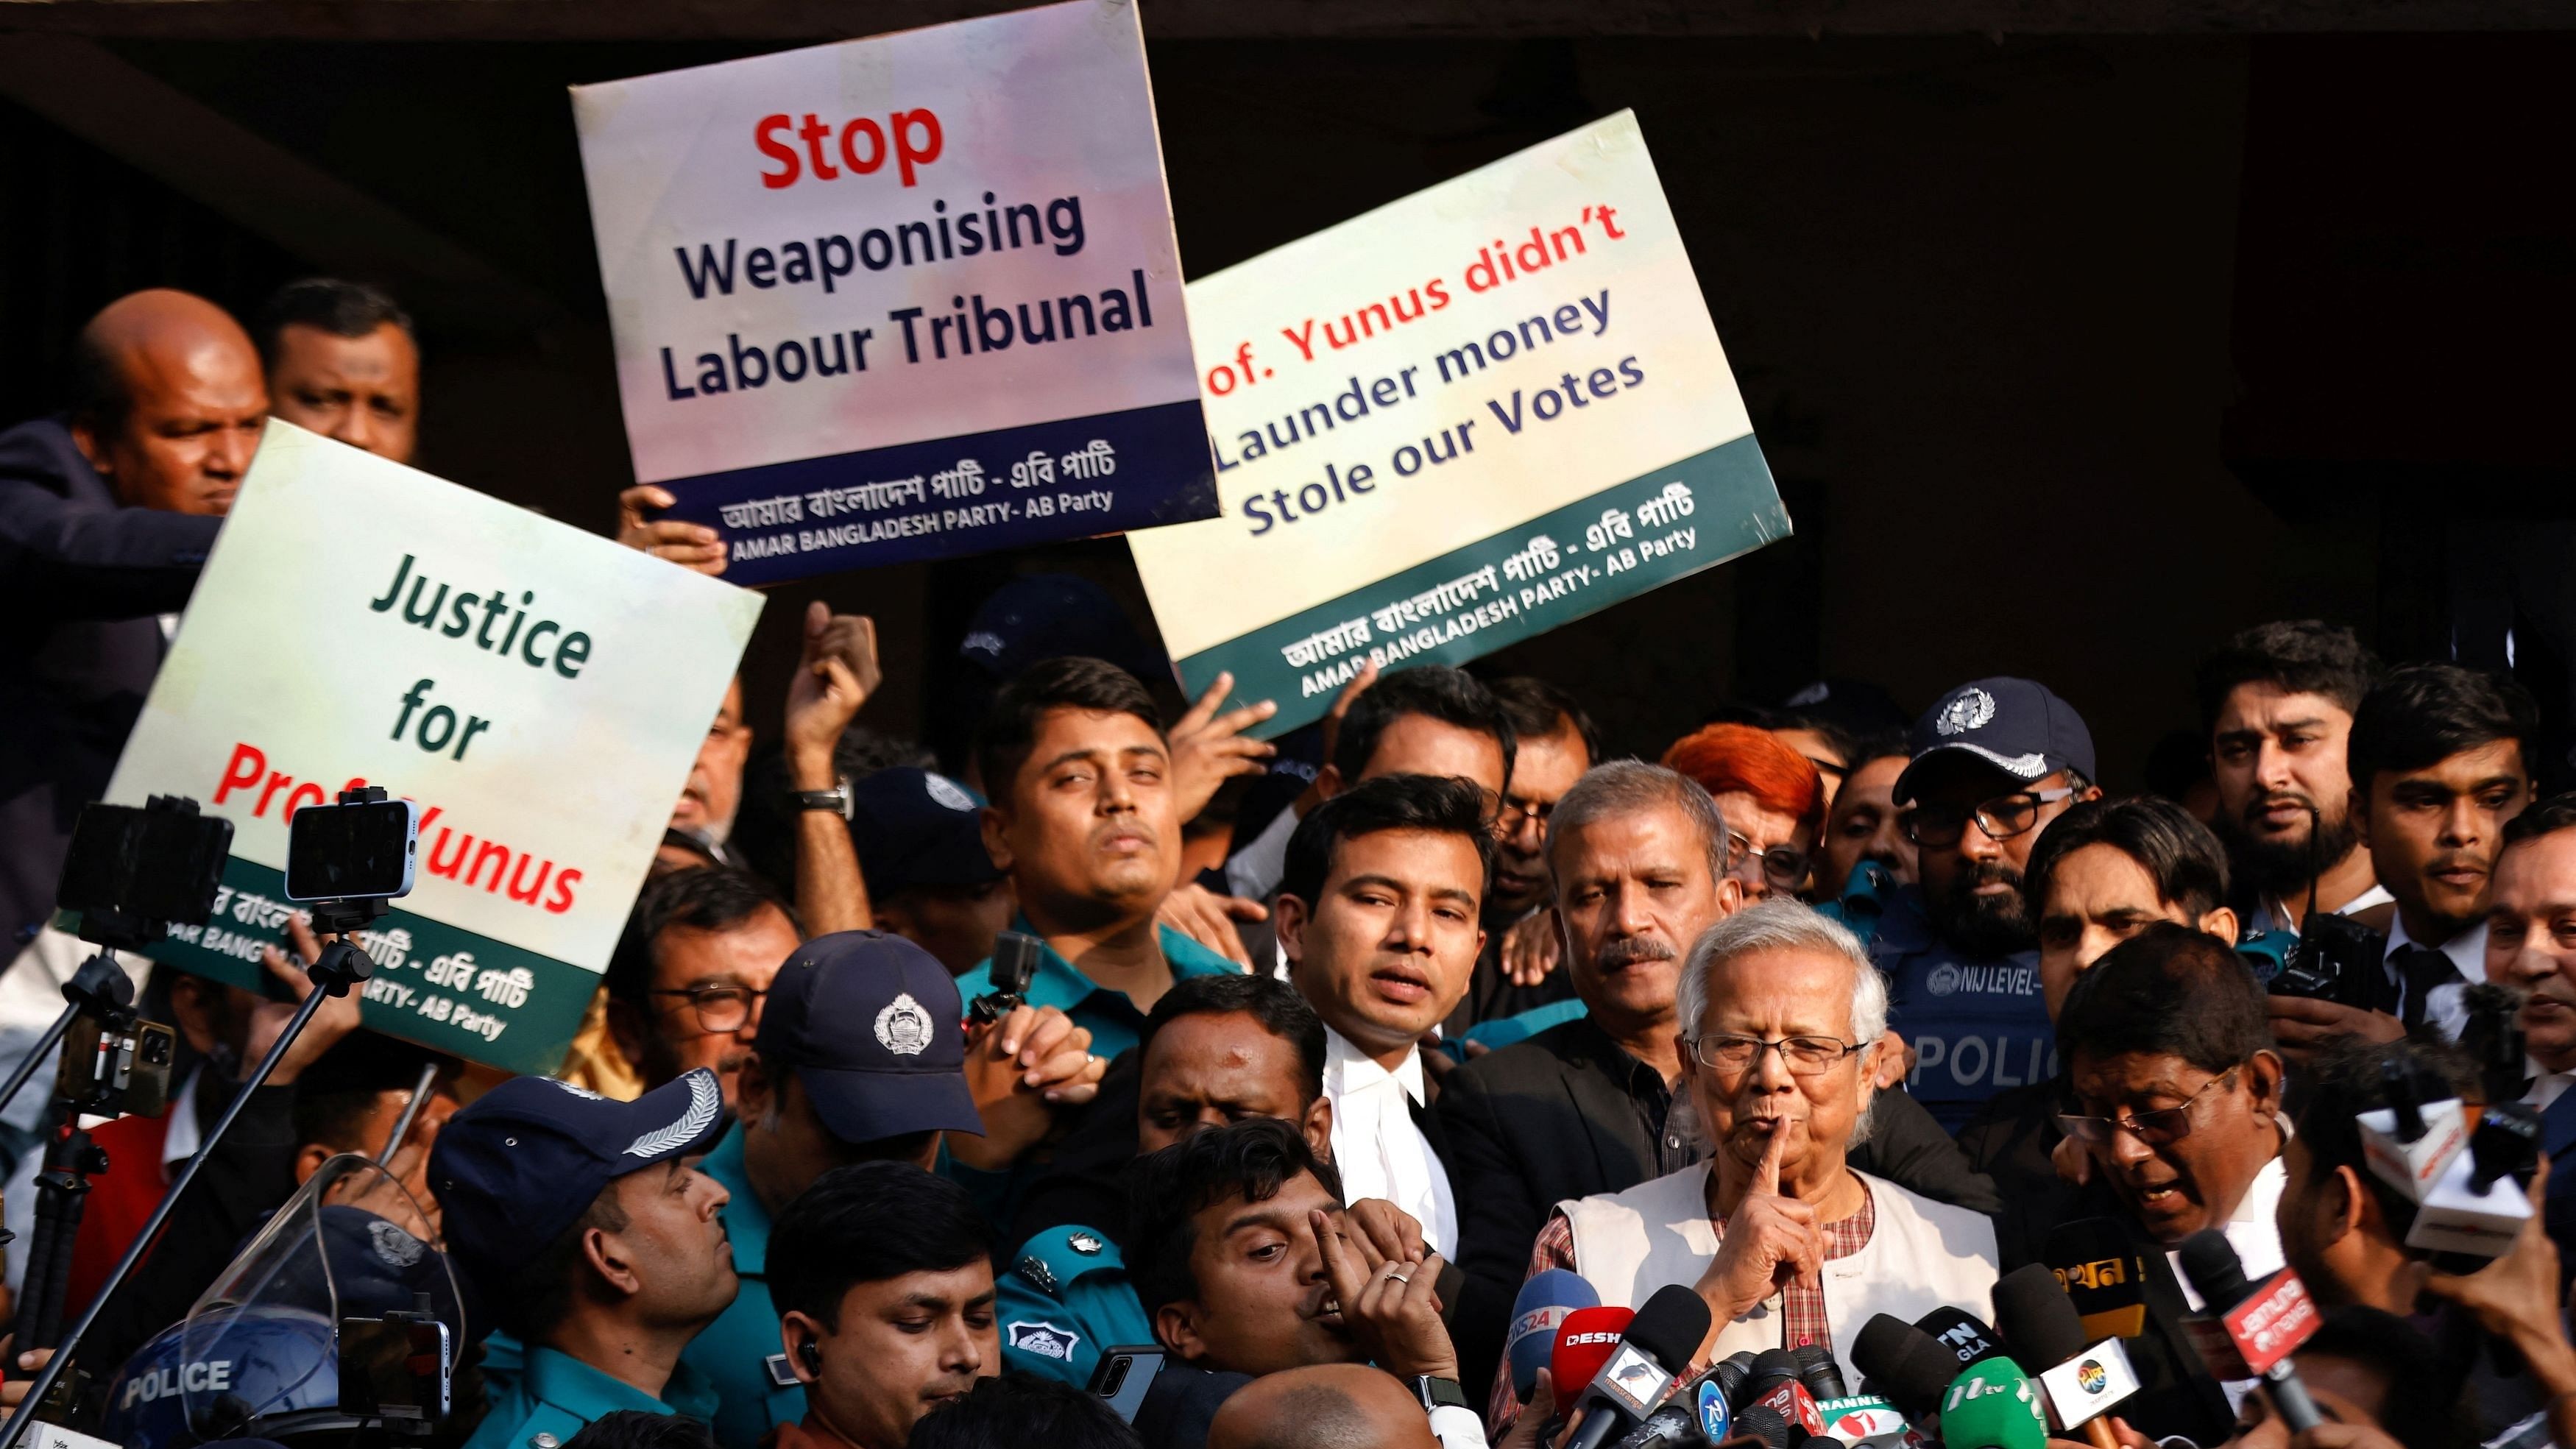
2443 1006
1376 1146
2271 916
2253 1230
2546 1086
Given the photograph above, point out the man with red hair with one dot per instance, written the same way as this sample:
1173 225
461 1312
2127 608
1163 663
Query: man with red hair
1773 799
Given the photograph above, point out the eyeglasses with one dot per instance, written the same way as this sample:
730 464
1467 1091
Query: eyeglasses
719 1008
2002 818
1783 866
2155 1129
1805 1056
1515 813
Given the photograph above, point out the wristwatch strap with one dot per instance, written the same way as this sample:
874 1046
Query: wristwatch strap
1439 1393
837 799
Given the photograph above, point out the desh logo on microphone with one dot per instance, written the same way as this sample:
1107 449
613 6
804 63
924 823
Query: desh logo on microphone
2091 1377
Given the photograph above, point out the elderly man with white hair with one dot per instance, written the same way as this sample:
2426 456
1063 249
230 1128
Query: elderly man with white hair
1780 1024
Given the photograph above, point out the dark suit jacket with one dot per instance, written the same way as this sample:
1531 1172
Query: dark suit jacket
1548 1119
80 582
2175 1395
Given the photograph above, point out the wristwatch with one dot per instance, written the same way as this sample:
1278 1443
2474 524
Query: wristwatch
1438 1393
837 799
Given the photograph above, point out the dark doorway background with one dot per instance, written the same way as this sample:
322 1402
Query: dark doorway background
2071 353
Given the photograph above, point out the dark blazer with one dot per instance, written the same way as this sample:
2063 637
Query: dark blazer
81 580
1548 1119
2175 1394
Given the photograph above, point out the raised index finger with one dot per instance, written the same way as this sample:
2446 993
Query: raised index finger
1766 1173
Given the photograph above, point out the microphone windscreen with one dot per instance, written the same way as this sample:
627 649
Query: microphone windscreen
1583 1345
1771 1368
1764 1424
1538 1313
1968 1337
1671 1327
2209 1261
1993 1405
2104 1275
1818 1371
1903 1364
2037 1316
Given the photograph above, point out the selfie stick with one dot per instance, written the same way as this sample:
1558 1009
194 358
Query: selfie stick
340 967
410 1111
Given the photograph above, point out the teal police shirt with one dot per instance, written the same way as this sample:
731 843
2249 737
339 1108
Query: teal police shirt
1114 1021
1064 1298
738 1355
557 1396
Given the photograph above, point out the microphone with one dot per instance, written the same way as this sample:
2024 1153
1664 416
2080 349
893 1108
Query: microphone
1991 1405
1902 1364
2492 1036
1705 1395
1818 1371
2081 1384
1664 1334
1674 1423
2102 1274
1538 1314
2409 1142
1583 1344
1732 1373
2251 1329
2480 1202
1865 1421
1758 1426
1775 1385
1963 1333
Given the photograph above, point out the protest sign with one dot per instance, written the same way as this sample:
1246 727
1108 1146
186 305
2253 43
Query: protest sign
541 691
1462 419
898 298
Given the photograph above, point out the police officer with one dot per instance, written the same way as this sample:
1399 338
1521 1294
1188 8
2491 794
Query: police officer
921 847
1994 761
1218 1049
859 1058
594 1244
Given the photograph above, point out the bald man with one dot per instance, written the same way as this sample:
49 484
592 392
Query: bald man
1329 1406
106 515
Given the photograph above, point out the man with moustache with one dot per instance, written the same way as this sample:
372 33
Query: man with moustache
2276 703
2531 944
1780 1015
106 516
2441 762
2175 1096
342 362
1994 761
1638 859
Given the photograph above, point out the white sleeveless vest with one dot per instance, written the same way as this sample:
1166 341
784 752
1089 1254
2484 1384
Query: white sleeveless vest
1921 1254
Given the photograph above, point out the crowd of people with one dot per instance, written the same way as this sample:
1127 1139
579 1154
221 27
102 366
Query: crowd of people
1329 1045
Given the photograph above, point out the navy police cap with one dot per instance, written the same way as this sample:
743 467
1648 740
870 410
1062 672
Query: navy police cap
523 1162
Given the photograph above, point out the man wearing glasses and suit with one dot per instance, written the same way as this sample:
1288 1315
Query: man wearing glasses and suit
1994 761
2175 1091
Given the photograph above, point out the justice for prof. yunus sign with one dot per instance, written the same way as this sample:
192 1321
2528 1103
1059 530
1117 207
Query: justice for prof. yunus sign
541 692
1462 419
906 297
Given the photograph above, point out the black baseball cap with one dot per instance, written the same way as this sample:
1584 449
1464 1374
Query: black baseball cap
1038 617
524 1161
873 1026
2016 726
918 828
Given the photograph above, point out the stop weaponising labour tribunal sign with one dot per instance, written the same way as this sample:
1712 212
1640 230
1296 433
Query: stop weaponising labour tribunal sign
1460 420
906 297
541 692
